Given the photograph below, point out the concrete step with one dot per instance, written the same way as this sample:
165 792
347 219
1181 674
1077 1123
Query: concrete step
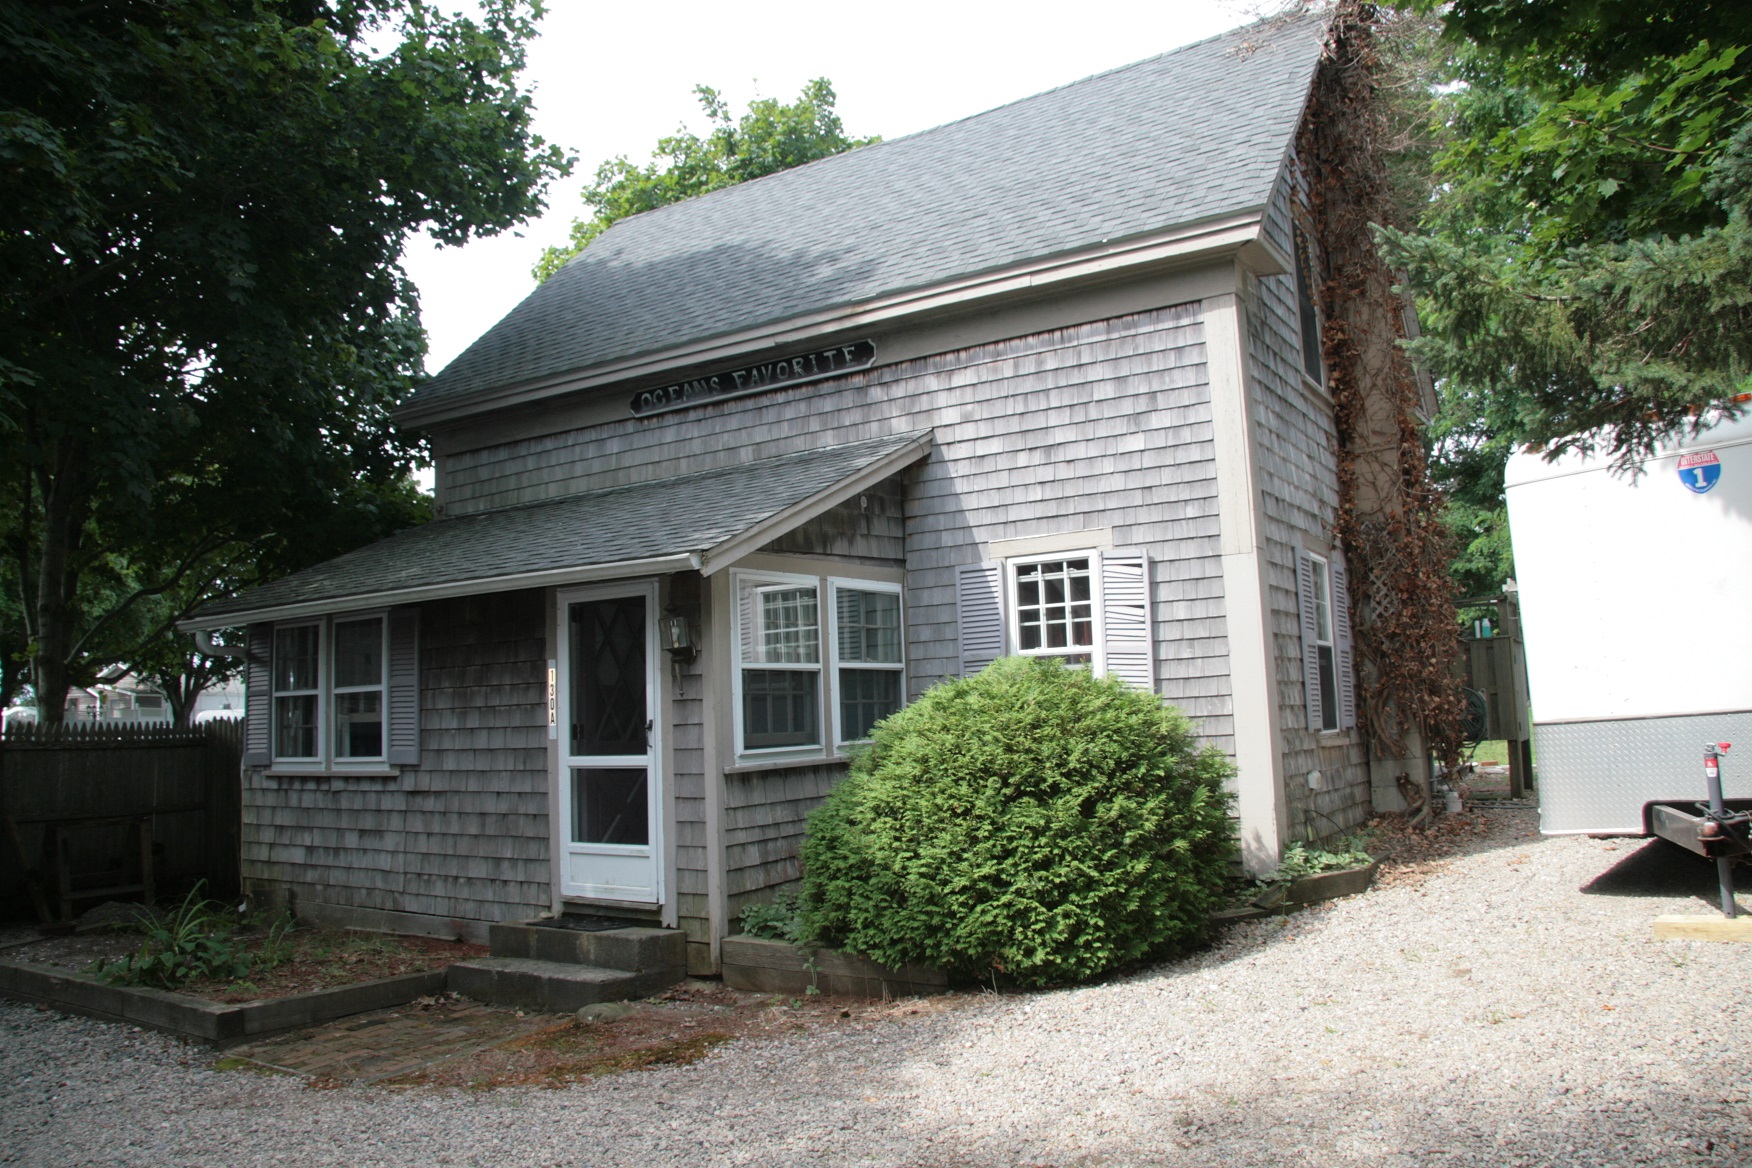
552 987
640 950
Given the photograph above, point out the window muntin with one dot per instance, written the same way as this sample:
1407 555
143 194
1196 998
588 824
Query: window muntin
297 691
1055 607
1325 651
869 656
330 675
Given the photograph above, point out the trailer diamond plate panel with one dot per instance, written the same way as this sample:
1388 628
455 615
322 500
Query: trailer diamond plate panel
1598 776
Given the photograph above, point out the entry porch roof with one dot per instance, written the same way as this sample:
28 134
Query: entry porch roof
704 521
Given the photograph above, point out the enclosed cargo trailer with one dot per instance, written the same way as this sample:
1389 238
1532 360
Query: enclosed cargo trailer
1634 593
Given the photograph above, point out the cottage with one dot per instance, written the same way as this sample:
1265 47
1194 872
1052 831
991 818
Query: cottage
757 468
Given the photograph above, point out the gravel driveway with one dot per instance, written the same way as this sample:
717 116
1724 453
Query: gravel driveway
1490 1011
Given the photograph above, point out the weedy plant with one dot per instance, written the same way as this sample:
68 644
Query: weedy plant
781 919
1299 861
200 938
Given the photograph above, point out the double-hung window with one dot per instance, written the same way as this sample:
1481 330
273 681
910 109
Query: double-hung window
868 656
790 695
330 689
779 641
1324 604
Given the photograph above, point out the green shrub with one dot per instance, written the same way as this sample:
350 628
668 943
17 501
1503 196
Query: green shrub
1033 820
198 938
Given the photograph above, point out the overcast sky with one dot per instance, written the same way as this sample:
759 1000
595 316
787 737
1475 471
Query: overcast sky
612 78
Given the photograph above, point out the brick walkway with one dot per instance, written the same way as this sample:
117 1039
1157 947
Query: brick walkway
368 1048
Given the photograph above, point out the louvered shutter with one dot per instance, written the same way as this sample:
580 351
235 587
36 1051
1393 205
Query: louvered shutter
1128 646
979 615
1310 639
1341 640
258 694
404 686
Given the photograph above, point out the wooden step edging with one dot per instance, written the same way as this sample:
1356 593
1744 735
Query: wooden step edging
219 1024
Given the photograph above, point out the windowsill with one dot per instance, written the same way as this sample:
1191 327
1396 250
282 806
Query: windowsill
786 764
384 771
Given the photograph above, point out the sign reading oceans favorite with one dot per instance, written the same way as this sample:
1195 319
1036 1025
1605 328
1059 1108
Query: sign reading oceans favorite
767 375
1700 470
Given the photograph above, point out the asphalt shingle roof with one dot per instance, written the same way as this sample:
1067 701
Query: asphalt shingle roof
688 513
1194 134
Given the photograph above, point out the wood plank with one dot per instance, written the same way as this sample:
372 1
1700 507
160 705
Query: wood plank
1689 927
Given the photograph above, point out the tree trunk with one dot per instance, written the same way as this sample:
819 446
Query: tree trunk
64 499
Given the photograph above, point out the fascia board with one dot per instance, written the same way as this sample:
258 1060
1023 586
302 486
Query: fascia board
581 574
1219 236
728 552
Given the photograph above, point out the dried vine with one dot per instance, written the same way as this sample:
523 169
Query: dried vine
1406 634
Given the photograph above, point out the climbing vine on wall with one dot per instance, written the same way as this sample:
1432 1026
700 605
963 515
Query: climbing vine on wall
1406 635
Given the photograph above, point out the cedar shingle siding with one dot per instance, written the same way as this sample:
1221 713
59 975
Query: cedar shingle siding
463 837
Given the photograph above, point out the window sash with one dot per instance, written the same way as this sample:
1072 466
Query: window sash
868 639
316 720
1054 601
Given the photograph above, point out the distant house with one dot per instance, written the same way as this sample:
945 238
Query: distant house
756 469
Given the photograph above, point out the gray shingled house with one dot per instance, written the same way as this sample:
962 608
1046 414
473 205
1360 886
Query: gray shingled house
756 468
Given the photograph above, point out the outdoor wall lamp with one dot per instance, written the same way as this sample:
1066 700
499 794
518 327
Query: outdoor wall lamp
676 637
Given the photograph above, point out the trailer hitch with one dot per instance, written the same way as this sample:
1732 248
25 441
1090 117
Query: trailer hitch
1720 821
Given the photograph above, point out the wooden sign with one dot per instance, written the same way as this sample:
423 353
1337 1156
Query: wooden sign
767 375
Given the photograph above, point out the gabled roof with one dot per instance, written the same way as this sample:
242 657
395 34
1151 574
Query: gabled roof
703 521
1191 136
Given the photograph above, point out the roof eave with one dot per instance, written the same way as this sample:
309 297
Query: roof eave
1239 234
579 574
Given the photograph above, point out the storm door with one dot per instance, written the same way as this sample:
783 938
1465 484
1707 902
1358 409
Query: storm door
610 777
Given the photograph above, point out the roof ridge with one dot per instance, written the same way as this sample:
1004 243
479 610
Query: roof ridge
1280 20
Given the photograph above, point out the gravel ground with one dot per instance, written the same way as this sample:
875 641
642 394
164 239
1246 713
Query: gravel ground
1507 1006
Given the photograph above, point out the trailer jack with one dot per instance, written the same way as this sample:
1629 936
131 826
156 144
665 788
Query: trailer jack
1713 829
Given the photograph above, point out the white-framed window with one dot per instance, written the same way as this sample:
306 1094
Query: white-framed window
1325 647
778 662
329 681
868 645
819 661
1054 606
1323 600
1083 607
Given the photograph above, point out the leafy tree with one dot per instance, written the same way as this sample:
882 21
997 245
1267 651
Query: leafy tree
1583 265
770 137
203 320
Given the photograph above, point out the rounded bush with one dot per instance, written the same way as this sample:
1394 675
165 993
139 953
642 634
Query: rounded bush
1033 820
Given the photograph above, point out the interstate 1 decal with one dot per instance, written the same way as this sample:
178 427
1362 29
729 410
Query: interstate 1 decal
1700 470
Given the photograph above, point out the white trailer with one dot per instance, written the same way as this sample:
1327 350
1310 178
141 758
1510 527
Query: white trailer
1634 596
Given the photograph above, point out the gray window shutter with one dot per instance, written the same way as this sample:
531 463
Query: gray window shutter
1310 633
979 615
404 686
1341 641
1128 646
258 694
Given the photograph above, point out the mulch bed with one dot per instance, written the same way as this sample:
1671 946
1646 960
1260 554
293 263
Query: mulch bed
680 1026
321 959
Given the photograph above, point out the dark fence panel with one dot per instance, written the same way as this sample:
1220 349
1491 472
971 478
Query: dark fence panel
185 781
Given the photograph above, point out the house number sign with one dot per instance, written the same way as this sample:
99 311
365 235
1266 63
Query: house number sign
767 375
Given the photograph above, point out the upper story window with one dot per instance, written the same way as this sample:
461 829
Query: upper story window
1307 309
328 682
787 696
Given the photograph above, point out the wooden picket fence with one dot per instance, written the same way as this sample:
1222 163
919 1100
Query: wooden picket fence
79 802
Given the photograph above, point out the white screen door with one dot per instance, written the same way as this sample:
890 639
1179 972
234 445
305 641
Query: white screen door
610 778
